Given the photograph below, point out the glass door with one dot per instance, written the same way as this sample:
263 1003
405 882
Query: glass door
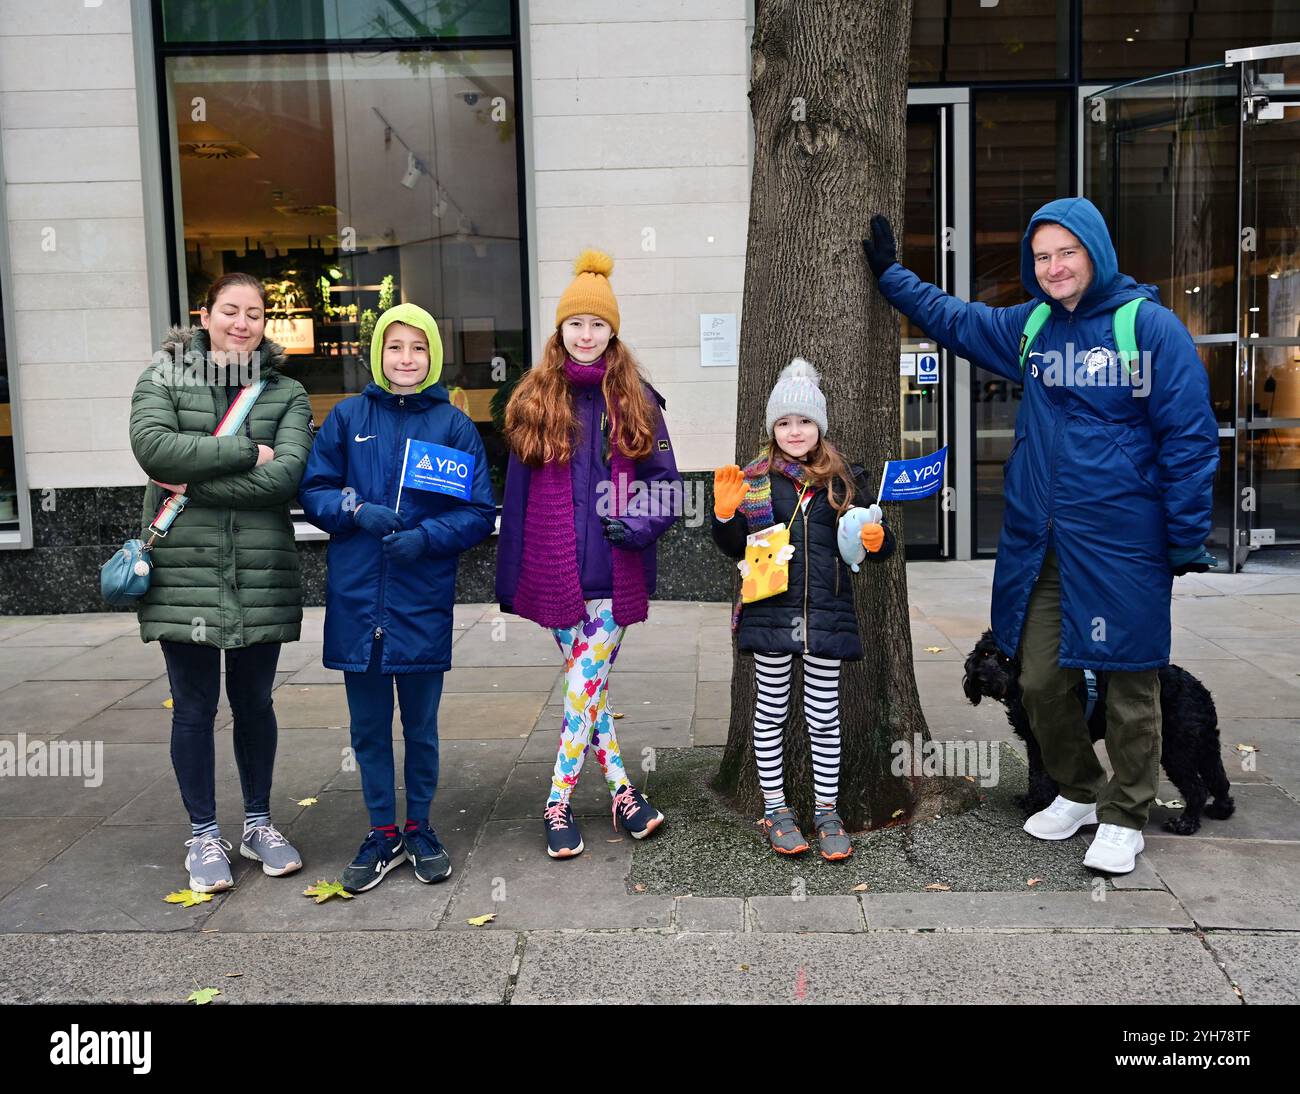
925 373
1269 428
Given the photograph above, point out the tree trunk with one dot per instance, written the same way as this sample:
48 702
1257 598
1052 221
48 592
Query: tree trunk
829 101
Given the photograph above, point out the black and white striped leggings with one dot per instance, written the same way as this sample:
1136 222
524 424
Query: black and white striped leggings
821 702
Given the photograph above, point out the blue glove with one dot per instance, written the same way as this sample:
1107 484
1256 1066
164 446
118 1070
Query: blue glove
1190 560
378 520
615 530
406 546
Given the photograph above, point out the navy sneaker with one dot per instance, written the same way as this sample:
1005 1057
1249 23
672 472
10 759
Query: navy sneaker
427 854
563 840
375 858
637 815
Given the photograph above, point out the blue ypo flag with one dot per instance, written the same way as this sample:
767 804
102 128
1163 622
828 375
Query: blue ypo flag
436 467
908 480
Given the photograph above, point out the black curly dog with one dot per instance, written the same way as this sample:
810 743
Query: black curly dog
1189 739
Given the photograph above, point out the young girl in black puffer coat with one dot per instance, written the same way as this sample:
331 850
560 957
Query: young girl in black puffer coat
799 480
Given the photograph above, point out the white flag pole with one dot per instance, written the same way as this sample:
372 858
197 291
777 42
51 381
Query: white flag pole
880 494
406 455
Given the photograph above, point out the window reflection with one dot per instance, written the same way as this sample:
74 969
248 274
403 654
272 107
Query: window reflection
349 181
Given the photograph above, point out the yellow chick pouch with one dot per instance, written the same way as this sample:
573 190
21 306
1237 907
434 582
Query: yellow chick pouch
763 575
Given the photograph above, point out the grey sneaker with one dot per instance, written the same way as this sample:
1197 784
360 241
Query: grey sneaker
783 833
264 844
832 841
208 865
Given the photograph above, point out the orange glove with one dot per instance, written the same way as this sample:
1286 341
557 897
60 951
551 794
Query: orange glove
873 537
729 490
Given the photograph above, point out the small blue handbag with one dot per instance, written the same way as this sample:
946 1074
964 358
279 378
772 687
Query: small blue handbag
124 578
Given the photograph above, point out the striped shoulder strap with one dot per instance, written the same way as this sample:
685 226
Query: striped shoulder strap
1125 323
1033 325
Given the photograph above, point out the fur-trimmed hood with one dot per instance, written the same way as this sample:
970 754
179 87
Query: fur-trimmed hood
195 340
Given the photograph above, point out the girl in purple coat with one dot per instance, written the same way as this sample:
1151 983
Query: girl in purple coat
592 484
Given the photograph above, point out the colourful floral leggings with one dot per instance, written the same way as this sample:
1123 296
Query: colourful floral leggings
589 650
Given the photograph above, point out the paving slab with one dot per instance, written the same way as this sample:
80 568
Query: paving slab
92 629
709 913
499 715
57 707
1095 908
121 772
1265 966
710 731
305 762
300 706
1241 884
126 725
529 784
484 681
511 875
821 914
327 836
1263 812
117 659
364 966
973 968
506 645
1243 691
112 879
28 843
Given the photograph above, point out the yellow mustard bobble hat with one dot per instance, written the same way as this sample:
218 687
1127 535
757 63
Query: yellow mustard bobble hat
589 293
414 316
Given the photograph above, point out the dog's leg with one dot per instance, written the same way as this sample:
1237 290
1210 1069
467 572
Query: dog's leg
1182 771
1217 780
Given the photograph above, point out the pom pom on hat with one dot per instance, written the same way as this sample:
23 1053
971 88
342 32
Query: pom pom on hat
589 292
799 369
597 262
797 391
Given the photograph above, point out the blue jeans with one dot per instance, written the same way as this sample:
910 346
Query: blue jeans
194 673
370 704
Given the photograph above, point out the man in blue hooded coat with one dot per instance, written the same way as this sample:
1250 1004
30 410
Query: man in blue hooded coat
1108 495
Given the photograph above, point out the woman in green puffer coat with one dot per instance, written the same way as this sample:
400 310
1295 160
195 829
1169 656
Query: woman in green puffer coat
226 576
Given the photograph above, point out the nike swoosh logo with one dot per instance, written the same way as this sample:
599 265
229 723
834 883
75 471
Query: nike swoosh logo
1033 353
359 438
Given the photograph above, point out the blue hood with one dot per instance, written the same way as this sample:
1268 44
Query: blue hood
1109 288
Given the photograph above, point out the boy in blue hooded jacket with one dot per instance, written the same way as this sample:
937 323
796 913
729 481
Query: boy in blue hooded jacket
1108 492
398 477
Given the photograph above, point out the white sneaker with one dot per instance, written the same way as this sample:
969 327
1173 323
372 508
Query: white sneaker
1115 849
1061 819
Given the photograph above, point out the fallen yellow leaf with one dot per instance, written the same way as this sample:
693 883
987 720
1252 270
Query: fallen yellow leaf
935 649
481 920
895 813
939 887
307 801
638 887
323 890
187 898
1034 880
203 995
860 888
1247 748
167 703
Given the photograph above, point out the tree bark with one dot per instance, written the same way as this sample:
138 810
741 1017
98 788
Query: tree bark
829 102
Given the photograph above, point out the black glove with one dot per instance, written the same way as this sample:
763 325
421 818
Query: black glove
615 530
882 251
378 520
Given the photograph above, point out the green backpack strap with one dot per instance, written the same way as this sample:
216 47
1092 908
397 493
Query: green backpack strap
1125 323
1033 325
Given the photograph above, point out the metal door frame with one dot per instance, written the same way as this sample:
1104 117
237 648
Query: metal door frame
956 420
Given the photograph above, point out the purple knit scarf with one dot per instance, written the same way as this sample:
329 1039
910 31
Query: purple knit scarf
550 587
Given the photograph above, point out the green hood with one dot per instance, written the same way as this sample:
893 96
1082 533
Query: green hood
415 316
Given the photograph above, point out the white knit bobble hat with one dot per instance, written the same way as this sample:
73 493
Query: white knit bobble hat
797 391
